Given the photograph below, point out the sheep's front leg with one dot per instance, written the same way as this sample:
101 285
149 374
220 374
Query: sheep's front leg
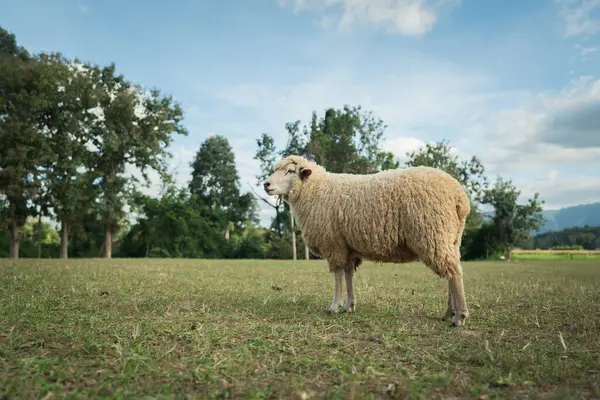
450 310
336 305
461 311
350 305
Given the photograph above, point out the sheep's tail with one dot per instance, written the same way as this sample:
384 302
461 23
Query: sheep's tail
463 208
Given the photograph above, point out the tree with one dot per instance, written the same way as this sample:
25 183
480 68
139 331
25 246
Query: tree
252 243
513 222
23 148
348 141
132 127
588 237
9 46
67 122
39 239
480 243
176 224
86 238
215 181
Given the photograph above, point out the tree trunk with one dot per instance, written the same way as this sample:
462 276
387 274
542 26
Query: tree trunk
39 236
107 240
14 240
64 240
293 235
109 212
278 221
306 252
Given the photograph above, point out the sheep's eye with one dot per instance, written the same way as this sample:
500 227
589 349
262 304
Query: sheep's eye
289 171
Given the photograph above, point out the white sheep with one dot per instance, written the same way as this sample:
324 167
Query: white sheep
397 216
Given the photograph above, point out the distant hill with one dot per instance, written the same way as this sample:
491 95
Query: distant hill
581 215
568 217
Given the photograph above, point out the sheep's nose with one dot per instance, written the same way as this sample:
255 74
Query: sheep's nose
266 185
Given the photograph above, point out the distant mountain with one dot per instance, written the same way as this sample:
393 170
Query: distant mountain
580 215
568 217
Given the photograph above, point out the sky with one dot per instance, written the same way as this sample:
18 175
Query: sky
516 83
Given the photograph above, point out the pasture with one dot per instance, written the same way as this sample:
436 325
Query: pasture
127 328
556 255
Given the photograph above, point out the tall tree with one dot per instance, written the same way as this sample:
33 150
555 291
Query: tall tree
348 141
66 119
132 127
9 46
23 147
513 222
216 182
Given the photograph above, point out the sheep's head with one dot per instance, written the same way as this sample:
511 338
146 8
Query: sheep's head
288 175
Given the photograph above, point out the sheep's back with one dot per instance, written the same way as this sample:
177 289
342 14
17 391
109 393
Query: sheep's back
397 209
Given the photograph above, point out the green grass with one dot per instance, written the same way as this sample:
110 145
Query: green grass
551 256
258 329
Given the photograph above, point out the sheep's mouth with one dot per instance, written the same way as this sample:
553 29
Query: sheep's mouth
270 192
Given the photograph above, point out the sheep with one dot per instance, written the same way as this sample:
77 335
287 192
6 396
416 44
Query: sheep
393 216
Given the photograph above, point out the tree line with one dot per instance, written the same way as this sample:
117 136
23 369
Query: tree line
69 130
581 237
72 134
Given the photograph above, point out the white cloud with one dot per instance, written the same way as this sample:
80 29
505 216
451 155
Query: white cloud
585 51
402 145
578 16
404 17
407 96
560 191
556 129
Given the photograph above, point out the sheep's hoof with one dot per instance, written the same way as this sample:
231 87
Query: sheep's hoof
459 320
335 308
447 315
350 307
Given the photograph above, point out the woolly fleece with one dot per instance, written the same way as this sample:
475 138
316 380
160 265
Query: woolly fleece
398 216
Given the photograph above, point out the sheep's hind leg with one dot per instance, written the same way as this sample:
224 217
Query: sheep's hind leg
460 302
350 305
337 304
448 266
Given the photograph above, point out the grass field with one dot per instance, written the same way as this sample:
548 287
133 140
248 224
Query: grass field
258 329
556 255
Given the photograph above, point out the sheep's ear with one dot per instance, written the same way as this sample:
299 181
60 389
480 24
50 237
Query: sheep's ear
304 172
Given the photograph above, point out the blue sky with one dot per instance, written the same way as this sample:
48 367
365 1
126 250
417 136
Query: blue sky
515 82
